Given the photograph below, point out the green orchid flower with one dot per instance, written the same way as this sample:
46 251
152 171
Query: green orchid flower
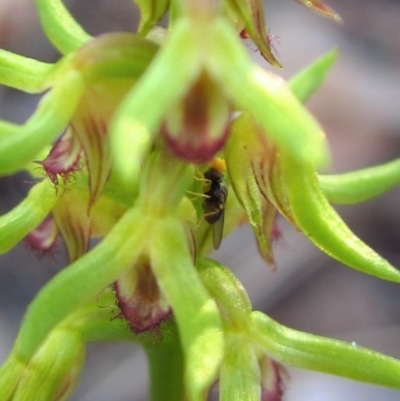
127 146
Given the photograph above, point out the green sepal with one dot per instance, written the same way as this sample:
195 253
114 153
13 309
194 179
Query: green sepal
240 373
114 56
25 217
23 73
116 253
253 168
308 351
361 185
10 374
227 291
320 222
52 373
138 118
266 96
307 81
252 14
320 8
60 27
150 13
195 311
52 115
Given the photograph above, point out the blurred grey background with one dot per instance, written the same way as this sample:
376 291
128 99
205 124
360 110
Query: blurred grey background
358 107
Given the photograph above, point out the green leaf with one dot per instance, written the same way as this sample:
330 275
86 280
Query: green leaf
320 222
266 96
195 311
302 350
52 115
361 185
60 27
307 81
25 217
150 13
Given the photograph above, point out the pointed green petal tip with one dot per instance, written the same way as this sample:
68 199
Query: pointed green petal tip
361 185
302 350
307 81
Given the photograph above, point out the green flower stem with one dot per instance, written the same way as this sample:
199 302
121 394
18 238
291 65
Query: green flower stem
139 116
25 217
52 116
117 252
321 354
307 81
320 222
60 27
361 185
166 365
196 313
23 73
266 96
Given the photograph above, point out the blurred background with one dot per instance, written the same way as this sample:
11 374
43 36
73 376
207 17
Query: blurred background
358 106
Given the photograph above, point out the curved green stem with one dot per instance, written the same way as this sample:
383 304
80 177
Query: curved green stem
60 27
361 185
23 73
25 217
52 116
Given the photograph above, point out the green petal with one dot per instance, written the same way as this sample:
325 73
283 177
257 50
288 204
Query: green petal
71 216
240 374
266 96
319 7
361 185
196 313
322 354
252 14
150 13
320 222
51 117
114 56
25 217
254 170
60 28
307 81
87 276
23 73
139 116
10 374
227 291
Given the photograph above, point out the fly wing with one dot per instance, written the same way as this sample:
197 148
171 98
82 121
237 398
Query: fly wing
218 230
